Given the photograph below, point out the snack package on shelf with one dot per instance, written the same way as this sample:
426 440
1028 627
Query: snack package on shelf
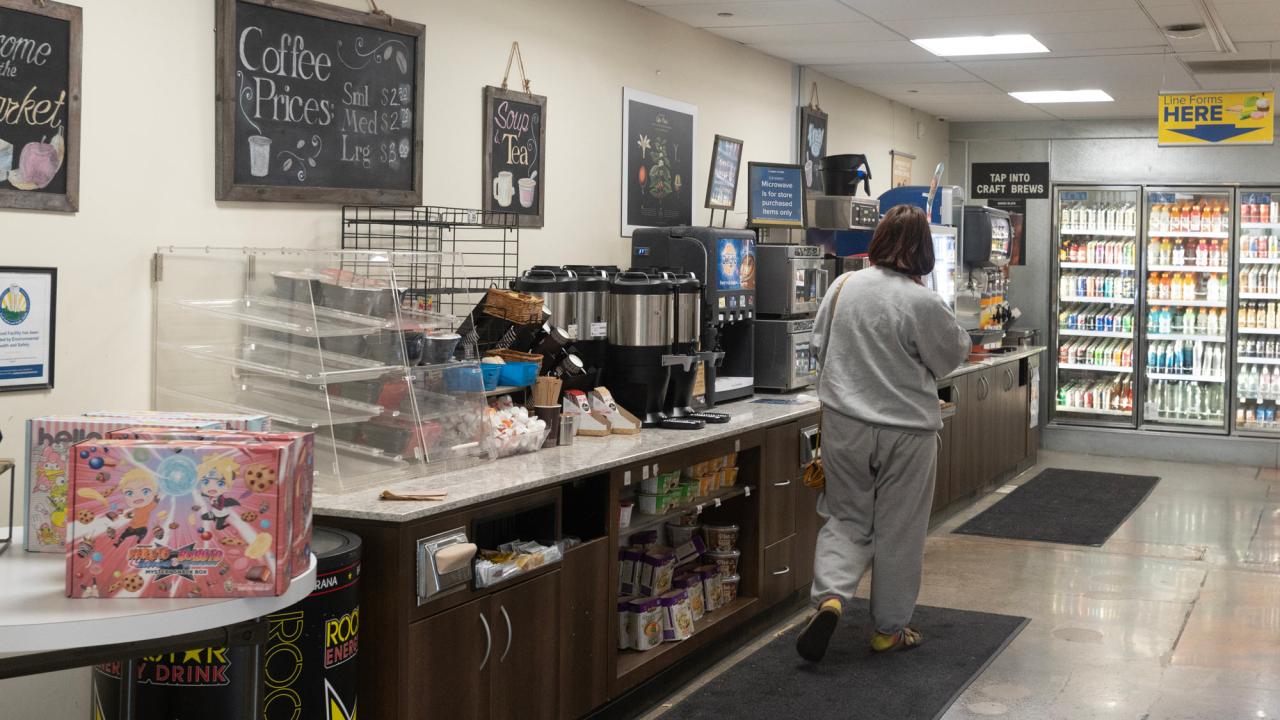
514 559
181 519
48 469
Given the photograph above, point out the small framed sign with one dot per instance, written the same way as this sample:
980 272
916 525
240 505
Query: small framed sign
777 195
813 146
514 172
722 183
28 312
40 46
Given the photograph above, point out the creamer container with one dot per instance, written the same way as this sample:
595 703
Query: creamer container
721 537
692 584
657 568
677 617
626 623
729 588
680 534
726 562
646 624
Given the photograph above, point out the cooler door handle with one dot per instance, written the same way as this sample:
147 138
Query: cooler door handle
488 642
507 650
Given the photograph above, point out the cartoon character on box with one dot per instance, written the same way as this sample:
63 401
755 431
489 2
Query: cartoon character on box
176 519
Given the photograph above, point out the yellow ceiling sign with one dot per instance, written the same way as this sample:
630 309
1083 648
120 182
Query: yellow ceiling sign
1211 118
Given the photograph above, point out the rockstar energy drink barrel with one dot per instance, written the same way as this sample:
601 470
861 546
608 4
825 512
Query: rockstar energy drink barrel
308 660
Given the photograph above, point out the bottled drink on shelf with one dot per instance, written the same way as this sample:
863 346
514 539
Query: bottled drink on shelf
1113 395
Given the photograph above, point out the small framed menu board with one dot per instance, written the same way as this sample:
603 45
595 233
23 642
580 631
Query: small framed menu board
40 47
722 184
317 103
776 195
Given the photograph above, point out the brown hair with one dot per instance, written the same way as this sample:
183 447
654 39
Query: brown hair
902 242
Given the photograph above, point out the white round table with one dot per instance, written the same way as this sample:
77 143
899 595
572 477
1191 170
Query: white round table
37 616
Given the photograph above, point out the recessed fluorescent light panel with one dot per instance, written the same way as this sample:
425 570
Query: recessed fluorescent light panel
1062 96
982 45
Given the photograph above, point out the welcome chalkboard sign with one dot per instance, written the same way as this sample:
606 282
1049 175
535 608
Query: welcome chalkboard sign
318 103
514 152
39 105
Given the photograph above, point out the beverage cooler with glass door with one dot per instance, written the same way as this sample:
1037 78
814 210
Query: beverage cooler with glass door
1187 309
1096 233
1257 325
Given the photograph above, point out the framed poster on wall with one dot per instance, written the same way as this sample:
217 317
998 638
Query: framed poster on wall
515 134
28 312
317 103
657 161
40 46
722 183
813 146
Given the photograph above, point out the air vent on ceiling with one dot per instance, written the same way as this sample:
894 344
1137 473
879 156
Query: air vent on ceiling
1233 67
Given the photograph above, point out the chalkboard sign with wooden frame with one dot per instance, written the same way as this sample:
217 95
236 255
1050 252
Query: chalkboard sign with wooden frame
513 152
317 103
40 105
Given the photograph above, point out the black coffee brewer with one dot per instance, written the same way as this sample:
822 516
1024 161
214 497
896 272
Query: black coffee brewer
727 260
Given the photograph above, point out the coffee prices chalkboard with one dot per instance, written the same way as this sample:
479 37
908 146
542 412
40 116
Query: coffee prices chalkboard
39 105
513 154
318 103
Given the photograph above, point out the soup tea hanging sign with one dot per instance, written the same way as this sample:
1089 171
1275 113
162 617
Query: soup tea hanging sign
318 103
513 150
39 105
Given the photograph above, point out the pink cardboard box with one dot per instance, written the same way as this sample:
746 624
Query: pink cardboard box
178 519
301 459
48 470
230 421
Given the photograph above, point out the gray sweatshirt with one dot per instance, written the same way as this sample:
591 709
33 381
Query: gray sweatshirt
883 349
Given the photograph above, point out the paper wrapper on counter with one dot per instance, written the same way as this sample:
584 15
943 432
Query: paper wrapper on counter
677 617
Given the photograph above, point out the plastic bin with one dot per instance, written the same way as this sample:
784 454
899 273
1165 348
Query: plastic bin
491 372
518 374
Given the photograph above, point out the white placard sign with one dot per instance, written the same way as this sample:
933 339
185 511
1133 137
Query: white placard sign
28 299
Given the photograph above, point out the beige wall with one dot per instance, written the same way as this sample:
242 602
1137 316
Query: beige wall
147 163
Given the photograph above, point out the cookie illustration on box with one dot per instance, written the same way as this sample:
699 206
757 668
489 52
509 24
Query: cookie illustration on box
164 519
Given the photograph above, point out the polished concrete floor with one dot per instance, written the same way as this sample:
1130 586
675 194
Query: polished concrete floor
1177 616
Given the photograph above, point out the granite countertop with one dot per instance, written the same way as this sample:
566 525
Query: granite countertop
975 365
552 466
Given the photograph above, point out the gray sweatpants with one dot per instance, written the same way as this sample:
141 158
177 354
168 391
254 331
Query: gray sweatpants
876 506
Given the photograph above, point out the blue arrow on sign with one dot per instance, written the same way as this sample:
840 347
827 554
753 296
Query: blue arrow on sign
1214 133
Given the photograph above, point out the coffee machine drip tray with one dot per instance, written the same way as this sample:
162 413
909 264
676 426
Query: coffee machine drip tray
682 423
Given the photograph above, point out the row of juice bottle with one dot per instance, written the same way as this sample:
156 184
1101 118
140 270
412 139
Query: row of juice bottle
1165 320
1260 315
1100 353
1253 348
1091 317
1199 215
1256 414
1181 252
1110 216
1212 287
1259 382
1109 252
1260 247
1096 285
1260 279
1187 357
1185 400
1259 208
1115 394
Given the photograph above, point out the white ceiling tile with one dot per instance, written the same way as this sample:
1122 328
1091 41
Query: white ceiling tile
1088 111
909 9
1106 72
860 73
769 12
810 32
1102 39
1130 18
972 90
805 53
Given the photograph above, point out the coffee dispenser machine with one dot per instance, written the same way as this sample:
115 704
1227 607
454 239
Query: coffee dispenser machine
727 260
592 312
558 289
686 359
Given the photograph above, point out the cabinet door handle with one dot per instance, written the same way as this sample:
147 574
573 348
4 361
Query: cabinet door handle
982 388
784 483
507 650
488 642
783 571
1008 375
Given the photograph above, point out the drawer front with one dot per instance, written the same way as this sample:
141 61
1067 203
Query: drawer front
778 504
779 572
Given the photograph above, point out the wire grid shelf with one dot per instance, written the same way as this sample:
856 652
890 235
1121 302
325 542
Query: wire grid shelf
479 249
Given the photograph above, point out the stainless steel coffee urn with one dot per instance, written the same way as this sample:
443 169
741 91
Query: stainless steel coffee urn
641 332
558 289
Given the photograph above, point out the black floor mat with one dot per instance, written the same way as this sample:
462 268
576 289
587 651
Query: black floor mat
851 682
1074 507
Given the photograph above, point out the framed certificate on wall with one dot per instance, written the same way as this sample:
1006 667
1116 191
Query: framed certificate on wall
28 310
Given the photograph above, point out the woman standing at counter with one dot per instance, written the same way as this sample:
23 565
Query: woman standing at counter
883 339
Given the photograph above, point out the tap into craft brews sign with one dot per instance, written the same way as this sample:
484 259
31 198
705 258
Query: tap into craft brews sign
515 132
39 105
318 103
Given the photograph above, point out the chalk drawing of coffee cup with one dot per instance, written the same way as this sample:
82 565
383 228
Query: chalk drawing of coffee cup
527 188
259 155
503 189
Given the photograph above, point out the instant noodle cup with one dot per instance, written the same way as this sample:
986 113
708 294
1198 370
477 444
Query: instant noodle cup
729 588
721 538
726 561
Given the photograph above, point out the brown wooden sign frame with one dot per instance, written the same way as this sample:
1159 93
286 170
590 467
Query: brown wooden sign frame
226 188
69 201
491 97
